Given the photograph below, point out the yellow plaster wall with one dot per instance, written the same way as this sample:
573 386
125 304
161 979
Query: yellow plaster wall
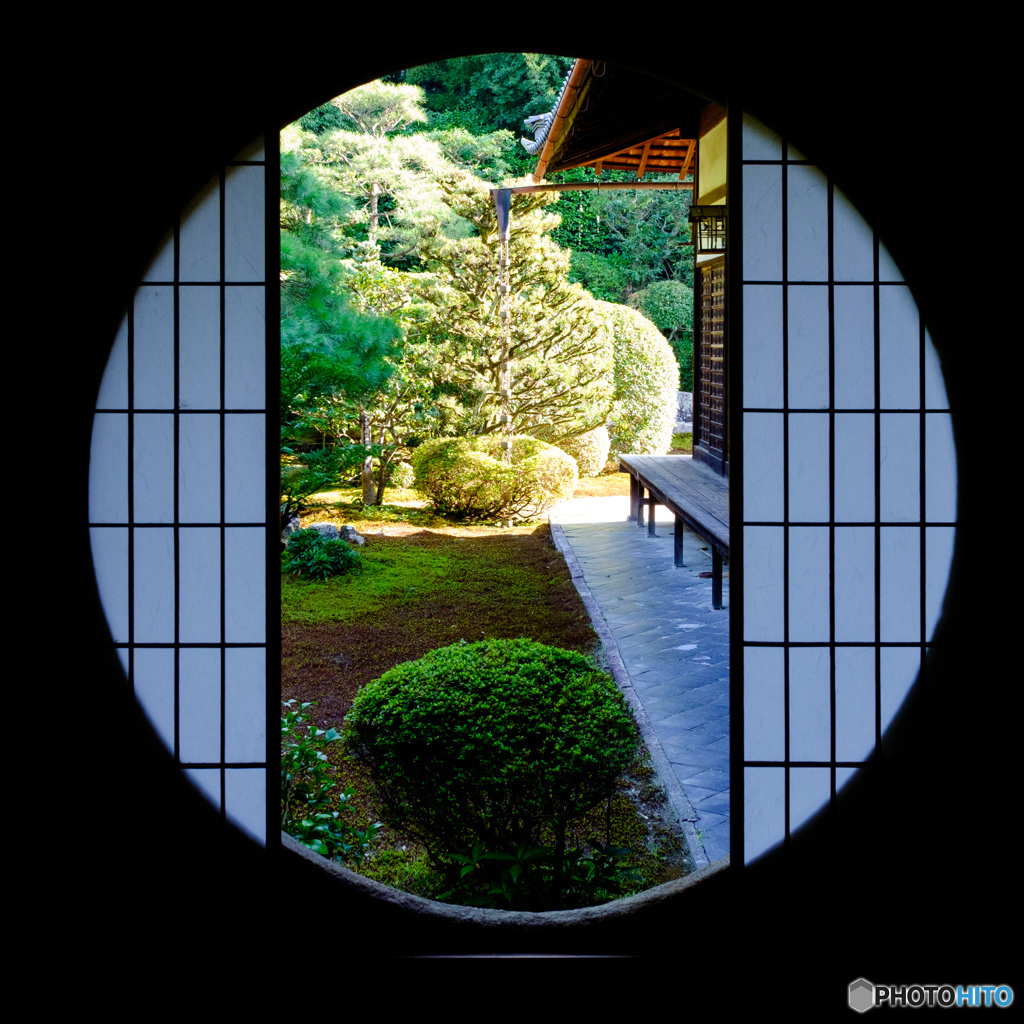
712 165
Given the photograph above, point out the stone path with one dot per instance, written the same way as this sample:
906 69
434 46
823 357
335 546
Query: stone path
670 649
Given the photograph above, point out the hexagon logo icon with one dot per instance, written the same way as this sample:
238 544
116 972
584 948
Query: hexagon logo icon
861 995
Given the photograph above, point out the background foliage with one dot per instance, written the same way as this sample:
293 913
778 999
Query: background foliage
390 333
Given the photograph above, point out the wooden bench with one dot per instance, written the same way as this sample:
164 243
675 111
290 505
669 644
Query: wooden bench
693 492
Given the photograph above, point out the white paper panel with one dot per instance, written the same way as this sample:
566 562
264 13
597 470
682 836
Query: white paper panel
855 703
110 562
762 223
808 348
245 704
244 595
899 348
900 590
199 258
245 799
153 468
854 347
763 704
199 585
764 810
244 348
199 703
807 223
763 596
900 476
762 347
854 588
108 468
809 791
810 704
153 347
199 347
852 254
940 468
763 475
154 688
243 224
245 446
855 467
153 583
808 467
809 583
759 141
199 468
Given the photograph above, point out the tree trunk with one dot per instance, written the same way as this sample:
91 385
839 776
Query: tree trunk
371 231
369 490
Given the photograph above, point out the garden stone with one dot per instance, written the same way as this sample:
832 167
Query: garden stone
349 533
328 531
292 526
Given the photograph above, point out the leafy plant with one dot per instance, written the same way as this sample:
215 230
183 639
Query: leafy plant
307 791
310 554
528 879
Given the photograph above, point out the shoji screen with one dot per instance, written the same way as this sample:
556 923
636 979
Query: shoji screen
177 494
848 487
848 484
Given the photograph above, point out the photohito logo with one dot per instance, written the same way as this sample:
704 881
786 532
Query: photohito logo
863 995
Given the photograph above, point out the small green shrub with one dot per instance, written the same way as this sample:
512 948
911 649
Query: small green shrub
492 742
307 791
590 450
401 474
310 554
466 477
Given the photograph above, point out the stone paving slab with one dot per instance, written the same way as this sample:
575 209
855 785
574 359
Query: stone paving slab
673 647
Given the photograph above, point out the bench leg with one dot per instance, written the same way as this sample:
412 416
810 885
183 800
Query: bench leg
634 497
677 543
650 518
716 578
640 502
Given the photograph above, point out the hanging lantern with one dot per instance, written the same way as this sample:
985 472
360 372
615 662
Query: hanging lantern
710 221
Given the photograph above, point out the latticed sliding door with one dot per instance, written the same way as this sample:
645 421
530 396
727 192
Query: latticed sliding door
712 361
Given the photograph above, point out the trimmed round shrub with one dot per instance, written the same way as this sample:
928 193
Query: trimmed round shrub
310 554
590 450
646 381
491 741
465 477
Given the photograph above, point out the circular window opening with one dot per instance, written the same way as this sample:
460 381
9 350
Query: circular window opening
933 446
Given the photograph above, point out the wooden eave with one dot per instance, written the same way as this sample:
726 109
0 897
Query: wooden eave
611 118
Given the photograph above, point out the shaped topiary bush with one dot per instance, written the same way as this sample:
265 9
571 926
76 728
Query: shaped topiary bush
492 742
646 381
466 477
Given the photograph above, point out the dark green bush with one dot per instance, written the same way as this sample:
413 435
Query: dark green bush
310 554
494 742
466 477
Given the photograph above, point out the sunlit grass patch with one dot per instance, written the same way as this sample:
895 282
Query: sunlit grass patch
682 444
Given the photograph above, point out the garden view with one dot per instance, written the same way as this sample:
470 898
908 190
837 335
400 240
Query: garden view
447 726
